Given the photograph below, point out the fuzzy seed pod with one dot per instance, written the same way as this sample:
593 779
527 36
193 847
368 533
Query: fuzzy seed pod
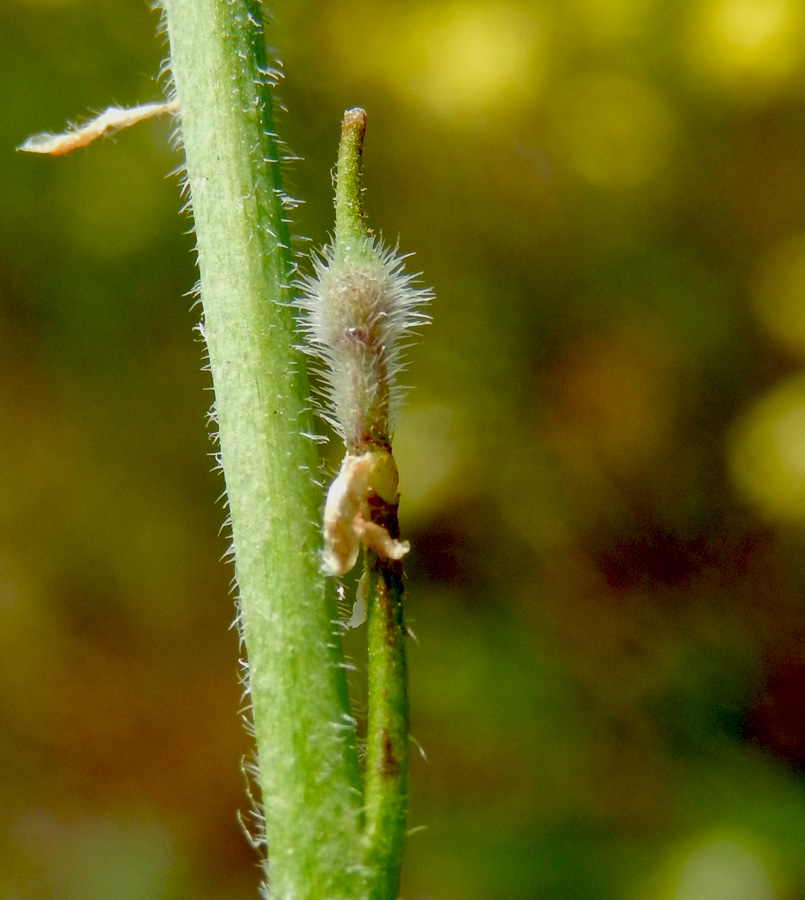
357 312
358 308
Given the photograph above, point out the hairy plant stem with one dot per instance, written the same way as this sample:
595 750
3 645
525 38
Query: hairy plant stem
386 778
308 768
386 768
350 244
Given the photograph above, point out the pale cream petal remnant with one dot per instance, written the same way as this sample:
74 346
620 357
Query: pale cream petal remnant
112 119
347 522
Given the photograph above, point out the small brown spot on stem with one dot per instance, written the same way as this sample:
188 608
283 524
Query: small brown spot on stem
391 765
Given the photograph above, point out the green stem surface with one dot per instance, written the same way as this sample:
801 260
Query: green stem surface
309 775
352 243
386 771
387 743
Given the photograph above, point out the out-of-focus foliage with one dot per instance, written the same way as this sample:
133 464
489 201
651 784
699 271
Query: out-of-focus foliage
602 462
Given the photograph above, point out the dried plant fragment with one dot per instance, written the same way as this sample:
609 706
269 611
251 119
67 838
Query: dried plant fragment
112 119
347 516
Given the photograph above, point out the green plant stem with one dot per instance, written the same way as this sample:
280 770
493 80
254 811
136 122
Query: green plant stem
386 776
386 770
350 219
351 242
308 770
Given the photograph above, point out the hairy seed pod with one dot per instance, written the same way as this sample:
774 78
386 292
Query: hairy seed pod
358 307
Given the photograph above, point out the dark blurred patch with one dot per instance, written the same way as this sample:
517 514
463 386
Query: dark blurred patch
652 555
776 721
446 552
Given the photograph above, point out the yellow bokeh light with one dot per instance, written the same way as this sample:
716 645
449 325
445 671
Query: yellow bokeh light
475 56
618 131
767 452
725 864
457 58
779 295
609 21
748 45
724 870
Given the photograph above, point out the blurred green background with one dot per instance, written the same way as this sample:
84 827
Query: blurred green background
603 459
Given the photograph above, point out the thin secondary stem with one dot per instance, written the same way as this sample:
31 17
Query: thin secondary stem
366 303
386 776
350 218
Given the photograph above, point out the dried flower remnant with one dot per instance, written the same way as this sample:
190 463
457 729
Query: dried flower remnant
111 120
347 517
